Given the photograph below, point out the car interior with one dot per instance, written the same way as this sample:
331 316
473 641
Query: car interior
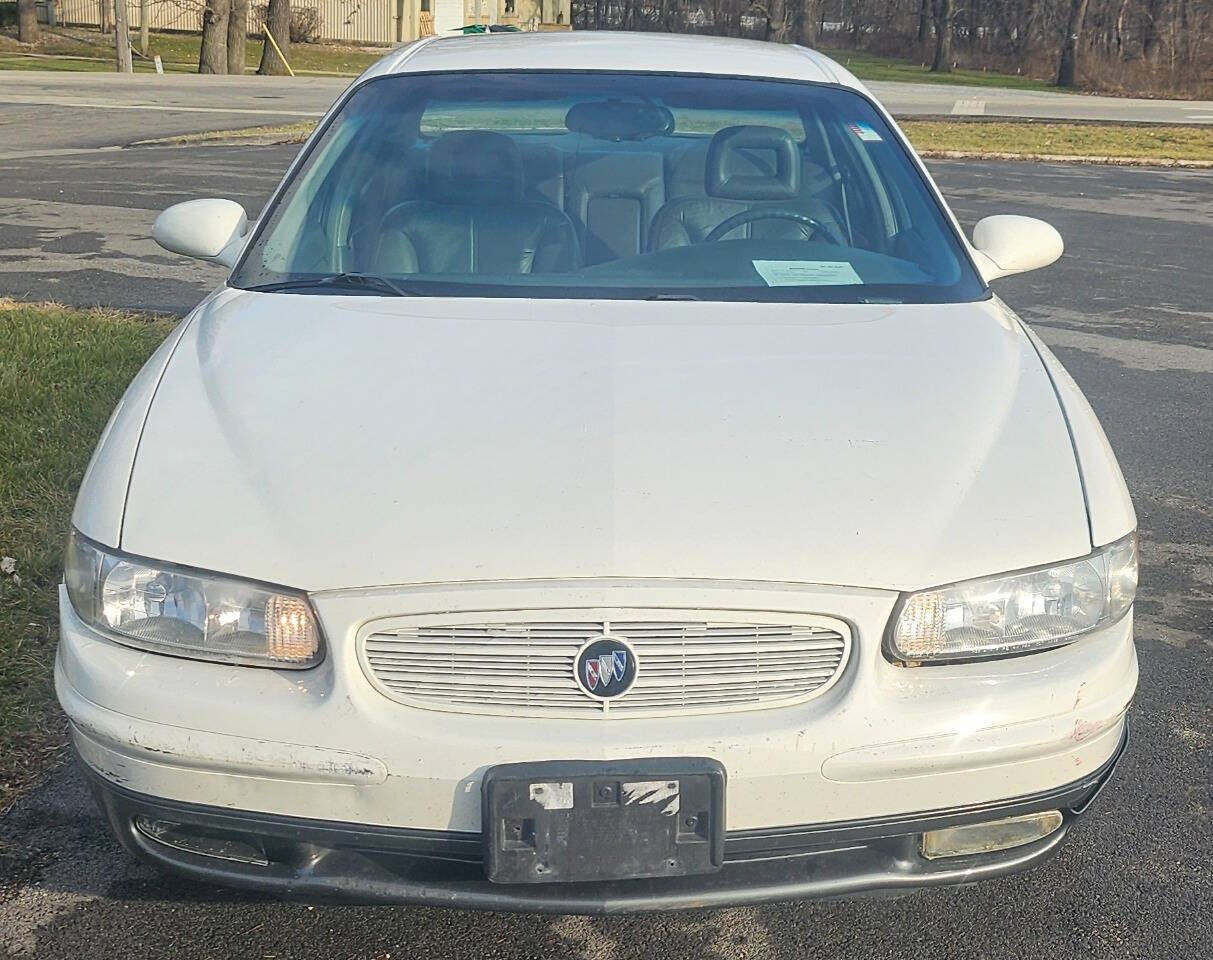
483 201
611 191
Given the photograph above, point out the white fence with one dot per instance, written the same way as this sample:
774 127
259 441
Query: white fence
357 21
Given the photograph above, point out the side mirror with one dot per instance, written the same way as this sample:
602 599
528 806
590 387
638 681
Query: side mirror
1009 244
211 230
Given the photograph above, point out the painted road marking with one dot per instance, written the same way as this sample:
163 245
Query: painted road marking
969 108
163 107
57 152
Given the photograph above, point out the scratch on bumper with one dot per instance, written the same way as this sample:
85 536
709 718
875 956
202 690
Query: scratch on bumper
95 726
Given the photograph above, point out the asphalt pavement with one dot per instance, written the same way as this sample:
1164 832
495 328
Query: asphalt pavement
1127 310
45 114
934 99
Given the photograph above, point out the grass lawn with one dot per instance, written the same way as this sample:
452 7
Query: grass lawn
61 373
1063 139
868 66
178 51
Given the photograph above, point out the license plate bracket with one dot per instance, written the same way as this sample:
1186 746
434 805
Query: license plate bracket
562 821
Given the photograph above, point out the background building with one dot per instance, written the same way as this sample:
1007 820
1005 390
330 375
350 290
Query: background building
353 21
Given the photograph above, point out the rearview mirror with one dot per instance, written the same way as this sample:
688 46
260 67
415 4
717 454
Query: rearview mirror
1008 244
211 230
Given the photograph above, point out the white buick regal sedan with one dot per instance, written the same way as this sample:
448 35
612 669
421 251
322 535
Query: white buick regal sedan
605 481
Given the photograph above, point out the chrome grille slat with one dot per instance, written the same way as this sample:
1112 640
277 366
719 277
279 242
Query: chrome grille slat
429 666
521 682
525 667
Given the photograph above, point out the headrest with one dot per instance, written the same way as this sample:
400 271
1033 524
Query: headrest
475 166
619 119
753 163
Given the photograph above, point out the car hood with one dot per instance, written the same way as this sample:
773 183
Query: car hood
331 442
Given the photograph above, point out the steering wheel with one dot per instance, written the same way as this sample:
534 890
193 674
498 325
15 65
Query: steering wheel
768 213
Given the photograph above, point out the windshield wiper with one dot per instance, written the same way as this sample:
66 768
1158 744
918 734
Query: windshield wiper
348 280
672 296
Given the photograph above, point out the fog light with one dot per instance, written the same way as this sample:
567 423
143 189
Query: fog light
203 842
989 836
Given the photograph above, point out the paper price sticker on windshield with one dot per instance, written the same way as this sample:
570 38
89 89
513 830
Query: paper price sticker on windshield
806 273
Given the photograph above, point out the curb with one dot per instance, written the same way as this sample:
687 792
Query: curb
266 141
278 140
1065 158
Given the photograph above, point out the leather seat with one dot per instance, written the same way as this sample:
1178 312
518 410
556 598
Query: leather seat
612 198
475 219
747 168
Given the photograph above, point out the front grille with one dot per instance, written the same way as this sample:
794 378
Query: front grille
526 668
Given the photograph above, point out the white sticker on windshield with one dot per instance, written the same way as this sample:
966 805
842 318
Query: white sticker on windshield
806 273
864 132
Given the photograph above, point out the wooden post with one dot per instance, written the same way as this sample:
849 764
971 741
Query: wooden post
122 38
143 26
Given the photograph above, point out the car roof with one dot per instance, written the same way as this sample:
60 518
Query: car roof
614 50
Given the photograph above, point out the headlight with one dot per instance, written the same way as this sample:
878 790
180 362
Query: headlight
1016 612
190 613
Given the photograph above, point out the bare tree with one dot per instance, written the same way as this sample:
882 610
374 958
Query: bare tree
779 30
944 12
1152 47
1030 27
924 20
122 38
237 36
212 57
278 23
810 31
805 23
1151 44
1067 68
27 22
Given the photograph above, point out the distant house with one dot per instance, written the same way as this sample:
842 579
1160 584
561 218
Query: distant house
355 21
524 14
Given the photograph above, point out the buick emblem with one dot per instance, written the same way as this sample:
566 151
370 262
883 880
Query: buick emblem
605 667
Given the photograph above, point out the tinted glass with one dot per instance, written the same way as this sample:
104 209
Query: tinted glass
608 185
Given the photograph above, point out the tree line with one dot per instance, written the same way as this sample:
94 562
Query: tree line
1145 46
225 29
225 25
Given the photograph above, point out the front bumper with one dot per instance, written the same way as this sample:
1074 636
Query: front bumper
324 744
362 797
322 861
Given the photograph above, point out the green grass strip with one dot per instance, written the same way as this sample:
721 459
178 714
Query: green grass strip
61 373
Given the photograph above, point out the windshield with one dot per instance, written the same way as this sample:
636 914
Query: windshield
609 185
